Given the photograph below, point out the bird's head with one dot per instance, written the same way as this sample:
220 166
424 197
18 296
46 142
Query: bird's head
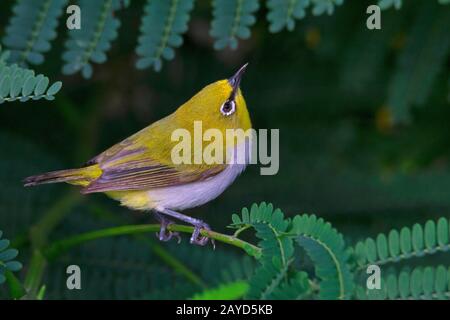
219 105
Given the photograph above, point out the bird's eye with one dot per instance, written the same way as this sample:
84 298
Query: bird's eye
228 108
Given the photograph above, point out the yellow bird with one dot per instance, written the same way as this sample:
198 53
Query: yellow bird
139 171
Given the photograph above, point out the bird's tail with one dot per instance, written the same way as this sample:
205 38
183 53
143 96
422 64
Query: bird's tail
82 176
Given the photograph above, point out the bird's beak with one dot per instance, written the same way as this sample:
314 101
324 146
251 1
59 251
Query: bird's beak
235 80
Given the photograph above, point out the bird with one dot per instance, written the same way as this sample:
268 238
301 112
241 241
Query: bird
139 171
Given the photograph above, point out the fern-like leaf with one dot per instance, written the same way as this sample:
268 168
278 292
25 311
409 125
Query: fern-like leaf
31 29
7 256
232 20
163 24
408 243
387 4
277 247
283 13
419 284
90 43
17 83
270 227
325 6
326 248
267 279
296 289
322 243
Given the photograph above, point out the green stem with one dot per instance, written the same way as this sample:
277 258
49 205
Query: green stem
58 247
35 274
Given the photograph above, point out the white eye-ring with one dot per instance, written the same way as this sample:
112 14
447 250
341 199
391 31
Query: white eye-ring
228 108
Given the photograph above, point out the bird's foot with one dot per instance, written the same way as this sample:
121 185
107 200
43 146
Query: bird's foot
196 238
166 235
199 239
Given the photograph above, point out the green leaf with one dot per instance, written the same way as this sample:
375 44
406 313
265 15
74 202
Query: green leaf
30 84
16 289
236 219
8 255
418 283
420 241
162 26
16 86
361 253
296 289
41 293
54 88
17 83
442 232
277 249
232 20
382 247
430 235
42 84
392 287
371 250
403 284
325 246
3 244
417 237
227 291
13 266
386 4
428 281
405 240
325 6
31 28
441 280
394 243
7 264
90 44
5 86
283 13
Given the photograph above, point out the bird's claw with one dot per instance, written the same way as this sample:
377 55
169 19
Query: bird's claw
199 239
167 235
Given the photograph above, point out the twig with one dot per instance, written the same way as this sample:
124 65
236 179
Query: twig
58 247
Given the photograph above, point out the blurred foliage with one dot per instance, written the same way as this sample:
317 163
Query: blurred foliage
7 256
362 116
33 25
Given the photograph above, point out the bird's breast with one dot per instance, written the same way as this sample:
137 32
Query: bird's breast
194 194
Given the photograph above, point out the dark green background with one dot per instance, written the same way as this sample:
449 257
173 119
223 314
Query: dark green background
326 85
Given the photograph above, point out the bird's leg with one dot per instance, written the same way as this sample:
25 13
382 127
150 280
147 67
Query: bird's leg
196 238
164 234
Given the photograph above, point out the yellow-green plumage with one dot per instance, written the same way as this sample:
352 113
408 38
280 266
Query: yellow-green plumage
138 170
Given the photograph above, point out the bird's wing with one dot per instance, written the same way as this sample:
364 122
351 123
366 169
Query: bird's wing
129 165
